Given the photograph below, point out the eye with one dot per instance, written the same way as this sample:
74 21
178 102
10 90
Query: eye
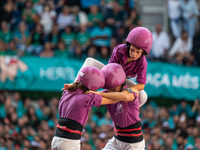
132 51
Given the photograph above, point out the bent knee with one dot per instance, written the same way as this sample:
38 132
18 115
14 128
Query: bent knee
142 98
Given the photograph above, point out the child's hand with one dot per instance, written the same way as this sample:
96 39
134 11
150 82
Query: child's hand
90 91
135 90
66 87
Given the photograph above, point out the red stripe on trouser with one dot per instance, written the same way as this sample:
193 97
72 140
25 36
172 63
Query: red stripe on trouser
68 130
127 130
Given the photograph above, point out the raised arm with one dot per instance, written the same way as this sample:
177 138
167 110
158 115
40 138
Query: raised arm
132 84
114 97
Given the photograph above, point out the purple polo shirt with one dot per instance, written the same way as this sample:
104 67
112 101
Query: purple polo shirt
75 105
124 114
137 67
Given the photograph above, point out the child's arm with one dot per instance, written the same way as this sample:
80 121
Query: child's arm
132 84
106 101
138 86
118 96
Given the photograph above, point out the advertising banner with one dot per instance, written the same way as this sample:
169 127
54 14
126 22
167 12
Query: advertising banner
50 74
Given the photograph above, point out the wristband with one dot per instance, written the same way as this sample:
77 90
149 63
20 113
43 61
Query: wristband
130 91
134 95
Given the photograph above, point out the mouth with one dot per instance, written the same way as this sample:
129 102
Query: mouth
133 58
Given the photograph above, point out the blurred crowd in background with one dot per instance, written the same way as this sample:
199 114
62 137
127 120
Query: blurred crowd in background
79 29
27 124
82 28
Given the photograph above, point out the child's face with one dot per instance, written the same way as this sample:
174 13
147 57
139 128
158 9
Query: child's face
116 89
135 52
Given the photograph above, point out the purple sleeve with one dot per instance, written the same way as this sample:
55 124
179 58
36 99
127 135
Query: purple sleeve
114 57
141 78
93 100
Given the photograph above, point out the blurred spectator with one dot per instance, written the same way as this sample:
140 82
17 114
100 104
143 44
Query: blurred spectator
46 19
78 53
83 37
21 37
65 18
5 33
12 49
80 17
165 117
85 146
101 36
190 12
128 5
37 41
180 52
184 107
16 16
48 51
174 13
7 11
92 52
34 120
173 109
54 36
94 16
115 16
133 20
38 5
149 121
105 120
41 108
196 48
104 55
61 50
113 44
160 45
29 15
85 4
106 5
57 5
120 35
68 36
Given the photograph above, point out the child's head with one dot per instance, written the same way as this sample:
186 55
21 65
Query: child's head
114 77
91 77
139 41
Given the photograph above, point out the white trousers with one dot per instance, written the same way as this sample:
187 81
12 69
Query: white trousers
65 144
93 62
115 144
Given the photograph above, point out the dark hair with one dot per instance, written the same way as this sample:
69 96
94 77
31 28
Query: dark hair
123 85
128 46
78 84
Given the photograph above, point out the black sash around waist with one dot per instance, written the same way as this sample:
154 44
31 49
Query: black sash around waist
70 125
130 134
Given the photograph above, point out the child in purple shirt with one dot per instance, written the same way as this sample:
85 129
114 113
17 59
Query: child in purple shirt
74 107
131 56
125 115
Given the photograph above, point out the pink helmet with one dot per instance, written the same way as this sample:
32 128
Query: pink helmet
114 75
91 77
140 37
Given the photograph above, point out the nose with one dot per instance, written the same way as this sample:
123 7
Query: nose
132 53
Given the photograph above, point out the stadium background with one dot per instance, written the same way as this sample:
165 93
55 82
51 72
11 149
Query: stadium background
39 53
